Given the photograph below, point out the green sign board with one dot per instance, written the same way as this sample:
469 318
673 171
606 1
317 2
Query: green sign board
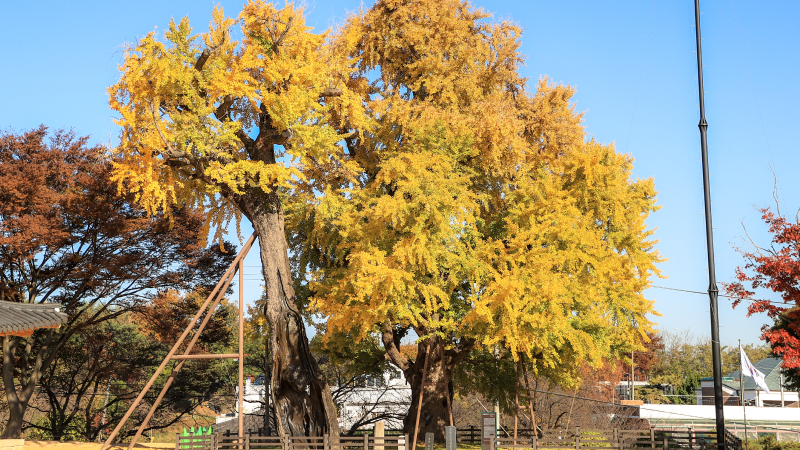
488 429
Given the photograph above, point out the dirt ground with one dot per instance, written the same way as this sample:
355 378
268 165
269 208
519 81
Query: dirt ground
56 445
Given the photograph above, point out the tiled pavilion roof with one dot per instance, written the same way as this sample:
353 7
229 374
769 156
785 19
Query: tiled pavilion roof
21 319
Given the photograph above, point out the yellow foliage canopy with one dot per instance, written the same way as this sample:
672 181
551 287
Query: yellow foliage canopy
190 105
481 211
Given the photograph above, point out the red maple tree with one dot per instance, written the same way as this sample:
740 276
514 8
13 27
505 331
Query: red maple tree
66 236
776 268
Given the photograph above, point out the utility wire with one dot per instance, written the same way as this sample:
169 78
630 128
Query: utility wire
721 295
642 407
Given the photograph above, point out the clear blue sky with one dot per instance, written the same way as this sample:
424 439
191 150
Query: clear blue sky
57 58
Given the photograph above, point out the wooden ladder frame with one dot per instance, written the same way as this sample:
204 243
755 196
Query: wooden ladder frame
217 294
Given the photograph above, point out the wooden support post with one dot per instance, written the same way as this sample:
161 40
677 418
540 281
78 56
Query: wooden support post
326 441
577 438
516 401
241 346
652 438
186 352
666 443
378 434
530 398
174 349
366 441
177 441
447 386
419 405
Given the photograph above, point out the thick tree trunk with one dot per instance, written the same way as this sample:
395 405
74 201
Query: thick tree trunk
13 428
301 397
435 389
18 401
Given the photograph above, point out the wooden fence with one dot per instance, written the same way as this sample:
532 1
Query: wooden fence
220 441
618 439
576 439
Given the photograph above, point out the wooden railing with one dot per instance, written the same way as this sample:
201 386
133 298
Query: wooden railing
620 439
219 441
576 439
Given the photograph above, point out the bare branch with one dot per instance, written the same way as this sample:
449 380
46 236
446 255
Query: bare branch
753 244
283 35
155 123
775 190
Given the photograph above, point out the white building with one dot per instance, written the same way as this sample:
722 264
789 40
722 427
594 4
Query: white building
389 395
254 399
783 423
753 395
254 396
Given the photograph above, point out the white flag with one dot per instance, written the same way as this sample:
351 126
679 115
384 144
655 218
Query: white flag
748 370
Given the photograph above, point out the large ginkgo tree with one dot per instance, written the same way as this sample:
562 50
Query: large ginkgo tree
225 121
482 215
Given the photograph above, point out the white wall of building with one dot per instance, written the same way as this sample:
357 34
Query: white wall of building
254 395
393 396
390 395
706 412
755 397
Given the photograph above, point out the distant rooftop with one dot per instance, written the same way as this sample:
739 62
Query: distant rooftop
21 319
770 367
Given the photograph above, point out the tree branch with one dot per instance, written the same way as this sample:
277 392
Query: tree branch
330 92
201 60
246 140
155 123
392 351
280 39
222 109
461 350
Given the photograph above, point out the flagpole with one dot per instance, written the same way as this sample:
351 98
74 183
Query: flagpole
741 394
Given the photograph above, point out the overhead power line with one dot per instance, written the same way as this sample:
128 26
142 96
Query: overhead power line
720 295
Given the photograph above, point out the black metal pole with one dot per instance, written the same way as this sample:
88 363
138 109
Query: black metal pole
712 280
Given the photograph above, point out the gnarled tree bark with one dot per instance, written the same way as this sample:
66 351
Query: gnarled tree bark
437 385
302 399
18 402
